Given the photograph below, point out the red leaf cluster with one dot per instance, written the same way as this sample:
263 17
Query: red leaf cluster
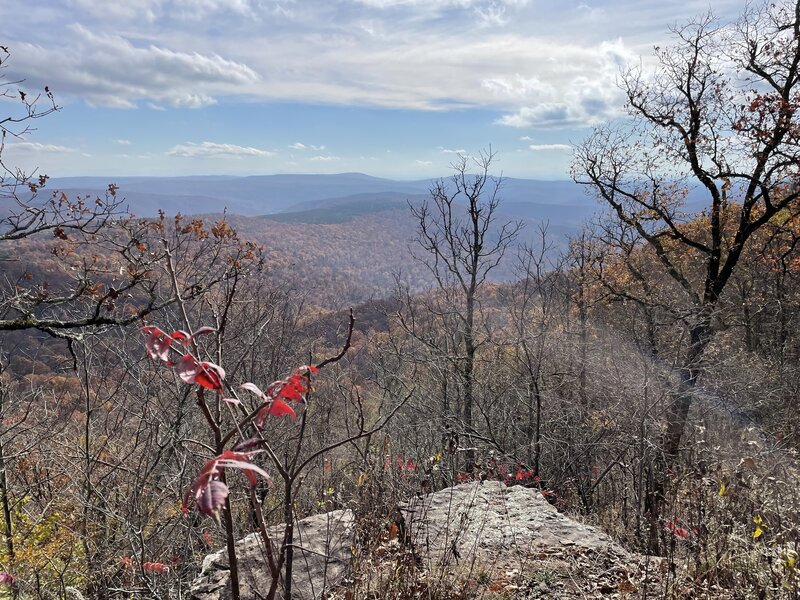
6 578
205 374
679 532
402 463
463 477
159 344
209 492
523 475
280 393
294 387
209 489
155 567
508 474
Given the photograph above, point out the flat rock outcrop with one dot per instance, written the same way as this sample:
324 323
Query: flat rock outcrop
481 523
487 520
322 556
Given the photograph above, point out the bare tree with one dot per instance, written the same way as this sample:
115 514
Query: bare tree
533 301
461 245
718 118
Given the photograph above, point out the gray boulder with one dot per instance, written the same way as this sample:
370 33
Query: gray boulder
487 521
321 557
483 523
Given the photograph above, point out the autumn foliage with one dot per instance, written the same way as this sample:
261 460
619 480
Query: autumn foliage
209 489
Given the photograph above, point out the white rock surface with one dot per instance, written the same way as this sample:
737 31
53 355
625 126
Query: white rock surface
488 520
484 522
321 557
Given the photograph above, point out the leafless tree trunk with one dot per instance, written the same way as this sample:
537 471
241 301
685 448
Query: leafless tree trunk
460 246
695 127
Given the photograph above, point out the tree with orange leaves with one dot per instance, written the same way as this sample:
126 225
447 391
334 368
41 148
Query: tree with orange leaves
717 119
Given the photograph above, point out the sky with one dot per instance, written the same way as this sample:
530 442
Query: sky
391 88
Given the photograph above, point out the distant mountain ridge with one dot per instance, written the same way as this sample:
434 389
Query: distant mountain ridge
355 229
248 196
333 197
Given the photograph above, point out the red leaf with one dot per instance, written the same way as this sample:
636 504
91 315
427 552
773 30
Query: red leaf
292 388
187 368
157 344
203 331
233 455
682 532
279 407
249 445
276 408
206 374
154 567
211 497
249 469
252 387
261 416
185 337
210 376
209 492
290 393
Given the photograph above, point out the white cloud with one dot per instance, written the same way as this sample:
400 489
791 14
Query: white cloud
441 4
550 147
486 13
322 158
146 10
110 70
36 147
201 9
543 115
492 15
589 12
581 100
539 64
212 149
301 146
518 87
499 71
435 4
195 10
423 163
365 52
123 142
192 101
449 151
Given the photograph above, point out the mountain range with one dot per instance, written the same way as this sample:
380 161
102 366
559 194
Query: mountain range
355 229
317 198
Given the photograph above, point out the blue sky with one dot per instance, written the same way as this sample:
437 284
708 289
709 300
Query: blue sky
386 87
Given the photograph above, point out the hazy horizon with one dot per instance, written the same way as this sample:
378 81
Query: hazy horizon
293 174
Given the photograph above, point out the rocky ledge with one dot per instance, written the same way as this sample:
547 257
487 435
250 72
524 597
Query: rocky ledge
508 539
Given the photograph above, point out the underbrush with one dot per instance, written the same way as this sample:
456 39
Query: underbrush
730 526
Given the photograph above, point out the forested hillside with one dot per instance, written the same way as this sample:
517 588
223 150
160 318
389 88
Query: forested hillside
171 384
